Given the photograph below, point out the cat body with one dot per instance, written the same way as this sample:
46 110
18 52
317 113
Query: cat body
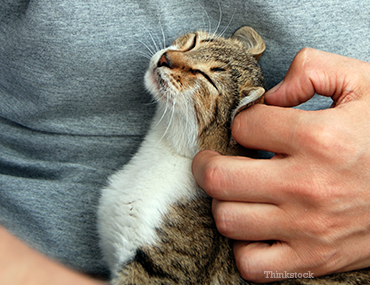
155 223
166 229
139 195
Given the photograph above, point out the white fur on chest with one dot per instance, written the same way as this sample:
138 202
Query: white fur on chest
132 206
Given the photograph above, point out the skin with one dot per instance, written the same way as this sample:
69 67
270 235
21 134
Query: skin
312 199
21 265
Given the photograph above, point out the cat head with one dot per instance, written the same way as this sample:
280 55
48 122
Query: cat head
201 82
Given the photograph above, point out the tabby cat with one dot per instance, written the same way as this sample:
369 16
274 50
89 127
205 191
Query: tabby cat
155 223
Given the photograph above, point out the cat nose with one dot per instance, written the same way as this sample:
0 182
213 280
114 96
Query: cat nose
164 61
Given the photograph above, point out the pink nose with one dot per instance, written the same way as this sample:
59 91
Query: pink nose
163 61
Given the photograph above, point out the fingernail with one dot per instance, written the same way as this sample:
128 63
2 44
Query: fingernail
274 89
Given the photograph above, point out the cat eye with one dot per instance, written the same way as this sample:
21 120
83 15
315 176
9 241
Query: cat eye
205 75
208 40
193 44
218 69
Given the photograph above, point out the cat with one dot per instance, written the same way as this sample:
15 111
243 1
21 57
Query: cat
154 222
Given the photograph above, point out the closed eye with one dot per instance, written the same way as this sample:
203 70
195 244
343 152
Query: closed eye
208 40
218 69
193 44
205 75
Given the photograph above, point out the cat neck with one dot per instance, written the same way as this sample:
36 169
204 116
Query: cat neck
218 137
179 134
176 132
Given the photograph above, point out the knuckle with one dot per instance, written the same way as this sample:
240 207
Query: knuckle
246 269
306 62
331 143
319 199
222 219
303 57
212 178
326 139
317 138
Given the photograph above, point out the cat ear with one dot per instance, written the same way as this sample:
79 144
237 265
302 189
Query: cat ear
251 40
251 96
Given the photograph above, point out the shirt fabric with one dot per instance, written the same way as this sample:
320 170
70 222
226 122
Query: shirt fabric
73 107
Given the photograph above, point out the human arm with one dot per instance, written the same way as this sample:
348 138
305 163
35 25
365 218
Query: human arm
313 196
19 264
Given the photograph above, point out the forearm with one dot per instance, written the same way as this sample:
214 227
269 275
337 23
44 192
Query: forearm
19 264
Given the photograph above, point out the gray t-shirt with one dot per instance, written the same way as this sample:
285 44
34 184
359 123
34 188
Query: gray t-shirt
73 108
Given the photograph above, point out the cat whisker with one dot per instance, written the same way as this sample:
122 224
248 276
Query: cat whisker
153 48
204 24
152 102
228 25
163 35
164 113
187 113
147 47
143 54
209 19
172 114
189 123
154 42
171 119
163 92
226 65
219 19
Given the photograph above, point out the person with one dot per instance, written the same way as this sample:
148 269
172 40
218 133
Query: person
73 108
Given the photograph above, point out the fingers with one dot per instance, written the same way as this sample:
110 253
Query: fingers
241 178
280 130
321 72
268 128
247 194
258 260
289 198
249 221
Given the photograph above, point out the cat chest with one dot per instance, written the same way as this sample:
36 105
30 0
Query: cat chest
134 207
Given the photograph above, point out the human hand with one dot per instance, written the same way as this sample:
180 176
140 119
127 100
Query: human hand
313 197
20 264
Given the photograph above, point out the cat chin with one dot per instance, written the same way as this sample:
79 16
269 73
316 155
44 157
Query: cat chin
151 83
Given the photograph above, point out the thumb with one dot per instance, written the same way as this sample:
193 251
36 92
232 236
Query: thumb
313 71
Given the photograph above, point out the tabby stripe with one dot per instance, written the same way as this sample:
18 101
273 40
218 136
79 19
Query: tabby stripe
152 268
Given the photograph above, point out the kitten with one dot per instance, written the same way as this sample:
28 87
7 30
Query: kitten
155 223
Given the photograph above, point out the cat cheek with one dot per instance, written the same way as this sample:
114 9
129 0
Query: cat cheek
177 82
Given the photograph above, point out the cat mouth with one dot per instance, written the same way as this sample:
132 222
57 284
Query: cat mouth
167 81
163 86
162 83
